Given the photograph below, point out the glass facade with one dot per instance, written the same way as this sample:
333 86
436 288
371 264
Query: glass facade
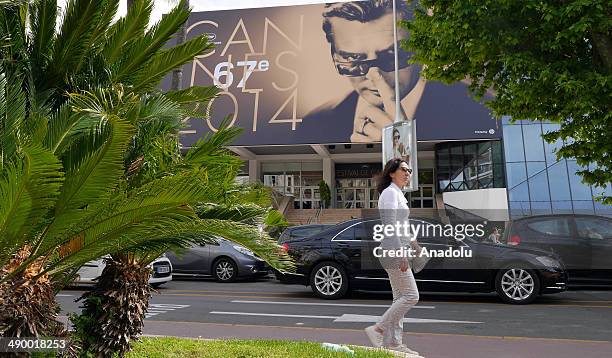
298 179
537 182
469 165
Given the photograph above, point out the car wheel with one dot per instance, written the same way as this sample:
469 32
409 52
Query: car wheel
517 286
225 270
329 280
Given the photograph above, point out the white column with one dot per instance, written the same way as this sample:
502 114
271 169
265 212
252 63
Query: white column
254 171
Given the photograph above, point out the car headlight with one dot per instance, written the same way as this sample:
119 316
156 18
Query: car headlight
548 261
244 251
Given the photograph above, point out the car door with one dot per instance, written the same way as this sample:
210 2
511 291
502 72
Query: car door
347 250
556 234
447 273
369 265
598 232
195 260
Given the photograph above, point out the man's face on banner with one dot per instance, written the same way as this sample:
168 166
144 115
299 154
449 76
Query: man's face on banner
358 47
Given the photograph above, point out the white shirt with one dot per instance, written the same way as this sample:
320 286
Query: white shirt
393 209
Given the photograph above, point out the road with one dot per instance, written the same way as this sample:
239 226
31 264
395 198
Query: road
441 325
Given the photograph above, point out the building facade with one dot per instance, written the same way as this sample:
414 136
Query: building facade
310 86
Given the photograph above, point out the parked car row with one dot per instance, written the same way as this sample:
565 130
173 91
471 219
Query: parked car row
535 255
340 259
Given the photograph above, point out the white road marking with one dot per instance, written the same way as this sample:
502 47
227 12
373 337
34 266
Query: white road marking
63 295
343 318
272 315
368 319
322 304
159 308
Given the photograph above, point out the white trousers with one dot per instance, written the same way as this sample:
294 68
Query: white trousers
405 296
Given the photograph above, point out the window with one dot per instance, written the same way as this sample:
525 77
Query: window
557 227
348 234
306 232
534 147
538 183
469 165
513 135
594 228
365 230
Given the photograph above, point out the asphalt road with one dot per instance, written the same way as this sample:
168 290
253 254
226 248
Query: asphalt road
441 325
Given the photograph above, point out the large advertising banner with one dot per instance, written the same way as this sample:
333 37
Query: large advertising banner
323 73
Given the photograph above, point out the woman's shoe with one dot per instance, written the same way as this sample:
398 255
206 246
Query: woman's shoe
375 336
404 349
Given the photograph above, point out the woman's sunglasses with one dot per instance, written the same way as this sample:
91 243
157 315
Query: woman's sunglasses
406 170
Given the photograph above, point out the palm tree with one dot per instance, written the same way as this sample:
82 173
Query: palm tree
100 167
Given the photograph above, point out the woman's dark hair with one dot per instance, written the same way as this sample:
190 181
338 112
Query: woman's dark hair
385 179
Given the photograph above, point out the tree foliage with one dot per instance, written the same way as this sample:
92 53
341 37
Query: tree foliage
547 61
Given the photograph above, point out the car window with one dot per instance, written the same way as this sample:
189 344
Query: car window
553 226
348 234
306 232
365 230
594 228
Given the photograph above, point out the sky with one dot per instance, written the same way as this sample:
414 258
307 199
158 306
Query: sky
164 6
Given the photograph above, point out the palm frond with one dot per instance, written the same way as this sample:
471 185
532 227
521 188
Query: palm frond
154 202
163 62
78 30
94 179
118 224
194 100
12 115
65 126
248 213
156 37
275 218
28 190
255 193
211 147
12 28
109 10
127 29
44 14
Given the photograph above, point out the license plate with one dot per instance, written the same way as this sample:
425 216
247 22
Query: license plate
163 269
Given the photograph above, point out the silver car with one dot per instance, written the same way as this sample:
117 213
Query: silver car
225 262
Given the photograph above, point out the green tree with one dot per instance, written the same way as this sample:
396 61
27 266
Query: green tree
324 193
548 61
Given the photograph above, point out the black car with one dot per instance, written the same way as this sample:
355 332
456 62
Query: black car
340 259
582 242
302 231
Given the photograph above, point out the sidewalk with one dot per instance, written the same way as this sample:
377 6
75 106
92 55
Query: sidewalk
430 345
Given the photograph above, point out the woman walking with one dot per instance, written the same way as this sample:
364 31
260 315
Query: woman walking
393 208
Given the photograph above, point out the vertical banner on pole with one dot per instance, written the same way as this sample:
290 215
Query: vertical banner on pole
399 141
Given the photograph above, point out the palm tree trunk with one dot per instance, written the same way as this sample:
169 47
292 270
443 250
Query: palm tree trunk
114 311
27 301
